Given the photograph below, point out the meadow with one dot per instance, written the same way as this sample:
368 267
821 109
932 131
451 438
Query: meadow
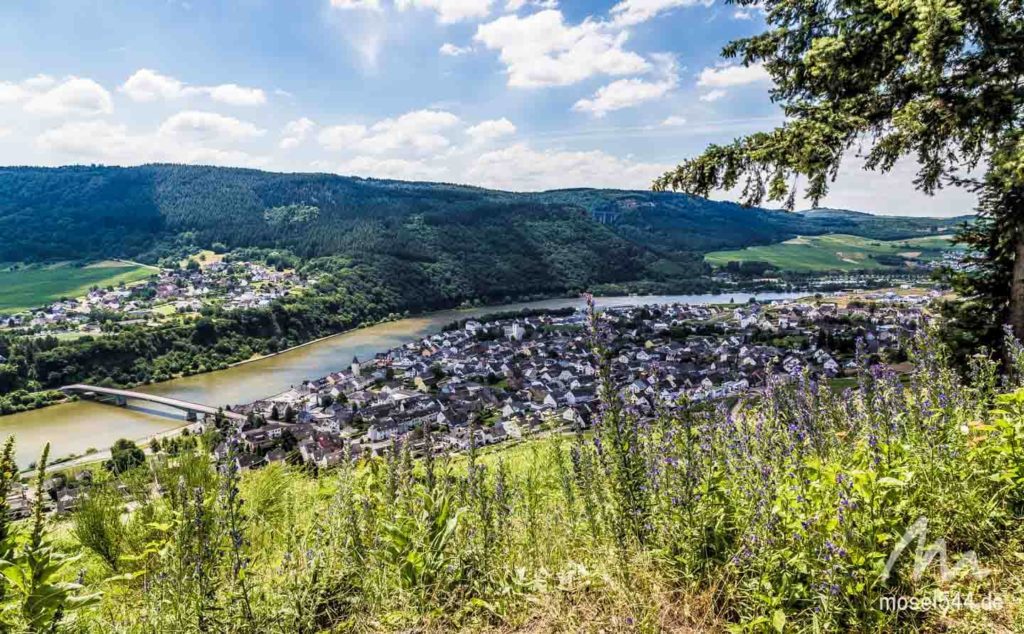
30 286
787 514
835 252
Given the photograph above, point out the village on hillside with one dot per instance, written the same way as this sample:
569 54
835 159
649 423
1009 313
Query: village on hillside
173 294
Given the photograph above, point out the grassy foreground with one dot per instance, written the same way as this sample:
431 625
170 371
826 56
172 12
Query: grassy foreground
37 285
782 517
834 252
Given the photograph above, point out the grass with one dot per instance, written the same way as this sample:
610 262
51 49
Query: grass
73 336
164 310
843 383
29 286
834 252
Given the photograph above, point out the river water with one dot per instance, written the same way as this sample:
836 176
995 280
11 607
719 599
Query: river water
78 426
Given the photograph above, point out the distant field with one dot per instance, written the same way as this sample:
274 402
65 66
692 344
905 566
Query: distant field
37 285
834 252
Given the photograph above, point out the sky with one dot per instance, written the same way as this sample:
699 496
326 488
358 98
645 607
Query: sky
522 95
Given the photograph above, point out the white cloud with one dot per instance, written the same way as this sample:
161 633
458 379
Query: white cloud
367 43
888 193
208 126
395 168
631 12
514 5
363 5
541 50
12 93
732 75
522 168
91 139
420 131
147 85
623 93
712 95
454 51
517 167
365 27
674 121
450 11
106 142
72 96
5 132
892 192
39 82
341 137
199 155
743 13
716 80
295 132
487 131
235 95
626 93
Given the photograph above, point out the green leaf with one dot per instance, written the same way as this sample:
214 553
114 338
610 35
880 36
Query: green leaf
779 620
127 576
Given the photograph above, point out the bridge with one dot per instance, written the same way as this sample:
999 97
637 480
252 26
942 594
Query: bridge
121 397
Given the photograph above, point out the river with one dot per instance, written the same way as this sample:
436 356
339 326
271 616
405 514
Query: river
74 428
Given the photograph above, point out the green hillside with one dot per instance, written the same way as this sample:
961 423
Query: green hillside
838 252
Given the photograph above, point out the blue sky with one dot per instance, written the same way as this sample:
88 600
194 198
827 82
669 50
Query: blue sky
513 94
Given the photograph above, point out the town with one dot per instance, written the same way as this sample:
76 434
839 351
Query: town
488 381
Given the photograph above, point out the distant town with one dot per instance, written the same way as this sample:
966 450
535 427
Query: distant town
204 281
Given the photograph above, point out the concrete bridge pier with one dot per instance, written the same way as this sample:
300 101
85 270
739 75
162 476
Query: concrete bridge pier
191 416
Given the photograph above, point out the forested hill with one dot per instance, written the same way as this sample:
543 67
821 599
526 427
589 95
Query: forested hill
571 237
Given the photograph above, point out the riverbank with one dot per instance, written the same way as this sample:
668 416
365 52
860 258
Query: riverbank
261 357
20 401
98 456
